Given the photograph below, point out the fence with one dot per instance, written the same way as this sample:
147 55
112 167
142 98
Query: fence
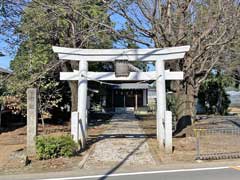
217 143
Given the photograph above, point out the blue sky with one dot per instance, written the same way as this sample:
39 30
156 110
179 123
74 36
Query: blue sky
5 60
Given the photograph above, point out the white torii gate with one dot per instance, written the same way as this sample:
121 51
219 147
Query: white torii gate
164 118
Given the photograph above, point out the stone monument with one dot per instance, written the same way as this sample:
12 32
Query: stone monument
32 113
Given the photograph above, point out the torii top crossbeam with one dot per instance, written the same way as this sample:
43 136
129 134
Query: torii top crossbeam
151 54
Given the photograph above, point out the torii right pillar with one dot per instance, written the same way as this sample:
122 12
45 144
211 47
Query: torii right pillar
82 102
164 118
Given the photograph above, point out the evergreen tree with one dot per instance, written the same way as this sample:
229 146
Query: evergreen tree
44 23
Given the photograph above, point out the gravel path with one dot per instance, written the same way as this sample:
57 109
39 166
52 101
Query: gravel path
122 144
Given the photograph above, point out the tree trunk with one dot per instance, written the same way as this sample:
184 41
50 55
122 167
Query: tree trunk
68 67
185 106
74 94
186 102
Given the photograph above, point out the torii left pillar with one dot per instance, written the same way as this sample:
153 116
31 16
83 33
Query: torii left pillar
82 102
161 102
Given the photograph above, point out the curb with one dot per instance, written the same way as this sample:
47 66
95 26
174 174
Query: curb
86 156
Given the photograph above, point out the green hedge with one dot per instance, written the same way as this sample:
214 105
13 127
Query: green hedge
52 147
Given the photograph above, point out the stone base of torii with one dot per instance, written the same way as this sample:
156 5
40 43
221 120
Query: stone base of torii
164 117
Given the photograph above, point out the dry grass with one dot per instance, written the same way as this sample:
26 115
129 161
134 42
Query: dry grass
184 147
14 142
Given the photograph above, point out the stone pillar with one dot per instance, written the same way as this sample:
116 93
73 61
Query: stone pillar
168 132
161 101
75 126
82 102
32 114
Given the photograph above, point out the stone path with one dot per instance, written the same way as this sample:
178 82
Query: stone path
122 144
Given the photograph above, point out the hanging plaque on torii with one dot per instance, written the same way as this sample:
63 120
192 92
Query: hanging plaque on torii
121 68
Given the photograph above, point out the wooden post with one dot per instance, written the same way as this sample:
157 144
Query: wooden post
144 97
32 112
161 101
136 101
82 102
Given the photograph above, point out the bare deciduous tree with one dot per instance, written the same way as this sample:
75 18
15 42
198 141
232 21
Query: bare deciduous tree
208 26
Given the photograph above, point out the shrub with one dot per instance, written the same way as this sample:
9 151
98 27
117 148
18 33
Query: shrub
52 147
212 94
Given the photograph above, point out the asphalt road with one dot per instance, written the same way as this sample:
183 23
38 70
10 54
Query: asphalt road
212 173
224 174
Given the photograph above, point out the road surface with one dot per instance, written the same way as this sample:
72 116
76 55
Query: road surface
212 173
